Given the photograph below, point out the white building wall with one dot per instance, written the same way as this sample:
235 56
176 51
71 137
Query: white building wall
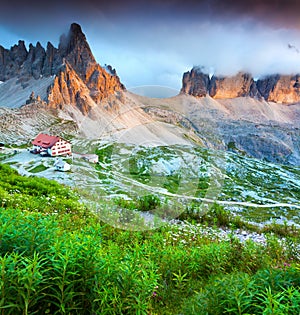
61 147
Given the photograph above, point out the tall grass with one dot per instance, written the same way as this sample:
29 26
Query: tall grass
57 258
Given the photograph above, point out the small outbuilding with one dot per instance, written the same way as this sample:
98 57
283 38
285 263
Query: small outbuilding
62 166
91 158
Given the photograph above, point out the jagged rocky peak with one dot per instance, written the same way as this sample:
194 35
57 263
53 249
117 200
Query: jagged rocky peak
33 99
33 65
19 52
53 60
195 82
12 60
75 48
74 38
277 88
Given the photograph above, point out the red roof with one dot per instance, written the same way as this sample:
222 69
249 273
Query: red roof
45 141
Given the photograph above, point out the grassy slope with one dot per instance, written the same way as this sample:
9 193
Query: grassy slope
57 258
189 171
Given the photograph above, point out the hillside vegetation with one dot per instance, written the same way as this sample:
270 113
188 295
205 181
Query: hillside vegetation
58 258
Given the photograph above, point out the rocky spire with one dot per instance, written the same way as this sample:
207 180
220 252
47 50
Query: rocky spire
75 48
33 65
19 52
11 60
195 82
53 60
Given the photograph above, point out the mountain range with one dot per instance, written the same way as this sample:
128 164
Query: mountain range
69 74
283 89
64 90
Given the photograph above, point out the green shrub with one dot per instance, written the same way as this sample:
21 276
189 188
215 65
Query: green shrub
47 269
57 258
269 291
148 202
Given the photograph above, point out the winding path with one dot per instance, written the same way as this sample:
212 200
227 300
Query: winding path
208 200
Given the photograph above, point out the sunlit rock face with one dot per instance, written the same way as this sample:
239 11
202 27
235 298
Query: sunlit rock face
82 66
277 88
283 89
77 78
69 89
197 83
239 85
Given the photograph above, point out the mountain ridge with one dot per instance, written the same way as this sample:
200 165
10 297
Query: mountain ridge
277 88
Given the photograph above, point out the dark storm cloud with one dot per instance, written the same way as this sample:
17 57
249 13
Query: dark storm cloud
277 12
35 17
280 12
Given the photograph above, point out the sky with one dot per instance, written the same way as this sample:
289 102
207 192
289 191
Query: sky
152 43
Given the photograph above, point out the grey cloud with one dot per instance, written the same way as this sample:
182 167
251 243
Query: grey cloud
159 54
153 43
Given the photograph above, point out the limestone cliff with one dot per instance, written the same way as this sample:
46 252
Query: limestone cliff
284 89
239 85
195 82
